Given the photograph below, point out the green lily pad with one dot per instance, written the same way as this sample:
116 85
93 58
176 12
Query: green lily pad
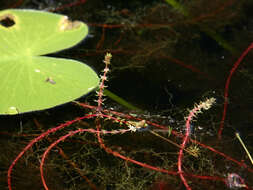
30 81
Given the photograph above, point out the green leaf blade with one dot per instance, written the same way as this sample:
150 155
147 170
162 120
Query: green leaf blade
39 32
29 81
45 83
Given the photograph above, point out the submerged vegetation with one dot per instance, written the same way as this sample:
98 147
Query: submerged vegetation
167 57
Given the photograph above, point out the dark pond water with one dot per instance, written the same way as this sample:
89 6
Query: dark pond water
165 60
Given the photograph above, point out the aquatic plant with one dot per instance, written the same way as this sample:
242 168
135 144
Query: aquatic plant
210 166
134 127
30 81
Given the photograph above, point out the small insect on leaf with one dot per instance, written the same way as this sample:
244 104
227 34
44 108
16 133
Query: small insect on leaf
50 80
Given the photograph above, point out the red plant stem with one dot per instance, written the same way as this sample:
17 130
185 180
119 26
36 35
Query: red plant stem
235 66
187 66
102 86
75 3
213 13
17 4
37 139
108 150
116 153
62 138
71 133
78 170
102 39
193 113
127 158
241 164
185 139
48 150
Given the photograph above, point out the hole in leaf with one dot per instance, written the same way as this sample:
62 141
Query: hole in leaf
7 20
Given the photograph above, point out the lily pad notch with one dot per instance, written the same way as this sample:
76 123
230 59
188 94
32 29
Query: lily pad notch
31 81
